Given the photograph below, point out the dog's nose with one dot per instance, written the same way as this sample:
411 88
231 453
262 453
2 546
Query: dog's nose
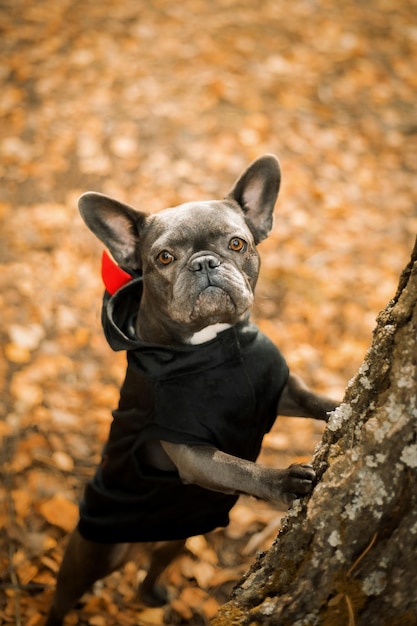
204 262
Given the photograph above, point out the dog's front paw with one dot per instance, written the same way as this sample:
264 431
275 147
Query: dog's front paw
298 482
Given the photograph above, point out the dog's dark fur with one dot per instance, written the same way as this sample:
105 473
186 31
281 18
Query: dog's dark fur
200 266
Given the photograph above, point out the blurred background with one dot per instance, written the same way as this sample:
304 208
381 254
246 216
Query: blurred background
158 103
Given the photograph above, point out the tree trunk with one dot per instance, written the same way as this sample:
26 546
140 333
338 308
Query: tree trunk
348 554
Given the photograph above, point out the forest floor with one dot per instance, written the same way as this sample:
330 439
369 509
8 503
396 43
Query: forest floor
157 103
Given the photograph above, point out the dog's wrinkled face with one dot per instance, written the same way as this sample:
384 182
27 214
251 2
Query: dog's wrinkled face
199 260
200 264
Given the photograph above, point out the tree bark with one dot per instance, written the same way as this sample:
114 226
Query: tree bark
348 554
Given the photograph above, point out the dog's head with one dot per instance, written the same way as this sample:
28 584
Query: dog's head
199 260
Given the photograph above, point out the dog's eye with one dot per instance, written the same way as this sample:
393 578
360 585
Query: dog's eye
165 257
237 244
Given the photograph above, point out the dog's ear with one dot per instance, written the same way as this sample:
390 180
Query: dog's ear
115 224
256 191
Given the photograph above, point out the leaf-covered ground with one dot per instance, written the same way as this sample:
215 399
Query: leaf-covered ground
158 103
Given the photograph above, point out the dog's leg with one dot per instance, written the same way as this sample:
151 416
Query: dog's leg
83 564
297 400
162 554
212 469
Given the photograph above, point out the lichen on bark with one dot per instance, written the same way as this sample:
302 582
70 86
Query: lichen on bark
347 554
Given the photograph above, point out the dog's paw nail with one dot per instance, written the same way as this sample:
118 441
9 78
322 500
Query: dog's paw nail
302 471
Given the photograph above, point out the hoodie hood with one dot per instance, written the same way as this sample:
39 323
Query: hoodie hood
119 314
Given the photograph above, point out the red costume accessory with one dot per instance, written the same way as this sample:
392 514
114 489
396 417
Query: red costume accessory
113 276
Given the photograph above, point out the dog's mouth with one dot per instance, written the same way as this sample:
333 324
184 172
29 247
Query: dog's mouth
213 304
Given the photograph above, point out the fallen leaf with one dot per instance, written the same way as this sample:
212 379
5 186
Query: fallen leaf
181 608
26 337
203 573
210 607
16 353
152 617
22 502
59 511
62 460
97 620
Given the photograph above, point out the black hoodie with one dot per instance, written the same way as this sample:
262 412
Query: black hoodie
223 393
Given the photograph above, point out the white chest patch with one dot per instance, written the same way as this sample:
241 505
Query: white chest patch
207 334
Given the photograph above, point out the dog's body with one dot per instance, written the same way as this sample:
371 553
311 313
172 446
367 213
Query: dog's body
203 385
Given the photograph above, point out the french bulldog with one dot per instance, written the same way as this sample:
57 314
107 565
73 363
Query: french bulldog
203 384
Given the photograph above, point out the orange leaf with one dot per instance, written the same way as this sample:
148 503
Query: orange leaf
60 512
